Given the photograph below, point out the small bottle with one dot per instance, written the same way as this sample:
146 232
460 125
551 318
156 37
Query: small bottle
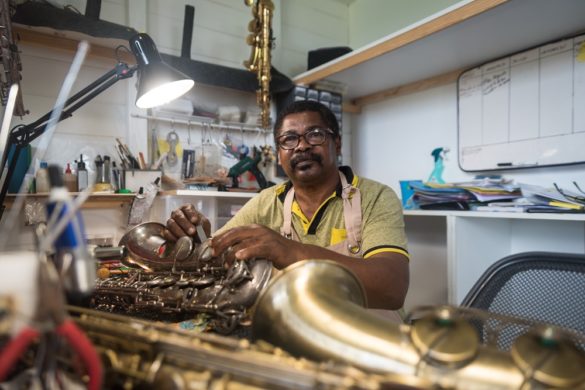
42 179
82 176
70 179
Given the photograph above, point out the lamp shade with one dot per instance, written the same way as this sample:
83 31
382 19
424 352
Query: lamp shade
158 83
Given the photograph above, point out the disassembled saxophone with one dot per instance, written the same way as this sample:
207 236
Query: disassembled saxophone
180 280
311 310
260 38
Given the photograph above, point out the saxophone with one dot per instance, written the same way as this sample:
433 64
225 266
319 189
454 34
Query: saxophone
145 354
316 309
260 38
311 330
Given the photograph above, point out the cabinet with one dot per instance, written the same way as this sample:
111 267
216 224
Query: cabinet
218 207
436 49
451 249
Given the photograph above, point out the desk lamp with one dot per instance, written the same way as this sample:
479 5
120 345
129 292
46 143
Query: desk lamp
158 83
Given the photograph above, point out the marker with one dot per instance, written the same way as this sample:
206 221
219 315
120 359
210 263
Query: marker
521 164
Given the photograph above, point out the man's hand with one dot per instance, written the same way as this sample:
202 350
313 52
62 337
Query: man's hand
183 221
385 276
256 241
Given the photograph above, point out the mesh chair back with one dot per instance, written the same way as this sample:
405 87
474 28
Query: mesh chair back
540 286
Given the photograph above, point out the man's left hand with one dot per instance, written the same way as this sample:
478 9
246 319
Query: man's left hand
256 241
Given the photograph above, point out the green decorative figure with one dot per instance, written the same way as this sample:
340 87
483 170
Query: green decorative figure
439 154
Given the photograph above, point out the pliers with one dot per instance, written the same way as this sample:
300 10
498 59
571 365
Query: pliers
51 318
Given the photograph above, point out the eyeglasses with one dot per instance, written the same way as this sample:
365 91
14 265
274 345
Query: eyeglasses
314 137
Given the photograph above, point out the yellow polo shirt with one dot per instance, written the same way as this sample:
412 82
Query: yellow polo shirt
382 220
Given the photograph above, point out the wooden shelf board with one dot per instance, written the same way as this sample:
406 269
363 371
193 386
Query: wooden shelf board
96 201
69 40
494 214
465 35
211 194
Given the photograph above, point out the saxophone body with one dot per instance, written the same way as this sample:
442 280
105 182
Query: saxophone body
143 354
260 39
315 309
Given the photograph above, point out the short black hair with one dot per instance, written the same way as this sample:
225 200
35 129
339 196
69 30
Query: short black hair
308 105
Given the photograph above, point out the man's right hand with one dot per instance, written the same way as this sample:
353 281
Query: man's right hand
183 221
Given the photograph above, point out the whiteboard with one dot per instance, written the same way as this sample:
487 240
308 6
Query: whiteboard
525 110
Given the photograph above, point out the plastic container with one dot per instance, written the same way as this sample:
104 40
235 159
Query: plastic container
82 176
42 179
70 179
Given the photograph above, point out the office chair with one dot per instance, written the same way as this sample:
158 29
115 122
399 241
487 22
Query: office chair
542 287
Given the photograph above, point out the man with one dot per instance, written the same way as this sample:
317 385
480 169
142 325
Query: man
323 212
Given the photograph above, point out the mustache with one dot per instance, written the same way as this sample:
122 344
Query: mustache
301 157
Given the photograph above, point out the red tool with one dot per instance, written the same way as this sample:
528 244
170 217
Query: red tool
51 317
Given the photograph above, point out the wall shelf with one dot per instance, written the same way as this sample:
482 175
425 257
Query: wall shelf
95 201
507 215
210 194
437 49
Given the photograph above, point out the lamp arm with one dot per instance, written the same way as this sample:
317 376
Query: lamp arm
22 135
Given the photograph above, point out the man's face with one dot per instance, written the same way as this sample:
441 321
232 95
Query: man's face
306 162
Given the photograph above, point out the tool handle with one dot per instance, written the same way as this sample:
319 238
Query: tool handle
14 350
84 348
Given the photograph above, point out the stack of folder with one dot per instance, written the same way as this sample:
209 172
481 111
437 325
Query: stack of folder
463 195
494 194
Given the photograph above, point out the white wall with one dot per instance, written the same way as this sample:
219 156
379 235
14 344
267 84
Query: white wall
309 25
392 141
370 20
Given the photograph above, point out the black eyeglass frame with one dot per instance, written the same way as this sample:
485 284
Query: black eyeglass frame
304 135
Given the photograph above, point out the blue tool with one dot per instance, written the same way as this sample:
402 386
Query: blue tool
72 259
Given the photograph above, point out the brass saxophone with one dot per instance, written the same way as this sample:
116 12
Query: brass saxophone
145 354
260 38
312 331
316 309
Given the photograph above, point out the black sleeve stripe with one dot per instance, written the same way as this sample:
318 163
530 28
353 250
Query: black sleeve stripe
385 247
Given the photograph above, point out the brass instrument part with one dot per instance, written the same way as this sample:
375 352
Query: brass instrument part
550 357
138 353
260 60
445 338
313 332
314 309
174 281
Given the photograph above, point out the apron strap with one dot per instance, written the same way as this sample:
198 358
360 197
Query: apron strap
286 228
352 214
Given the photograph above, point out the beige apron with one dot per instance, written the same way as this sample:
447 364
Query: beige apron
352 215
